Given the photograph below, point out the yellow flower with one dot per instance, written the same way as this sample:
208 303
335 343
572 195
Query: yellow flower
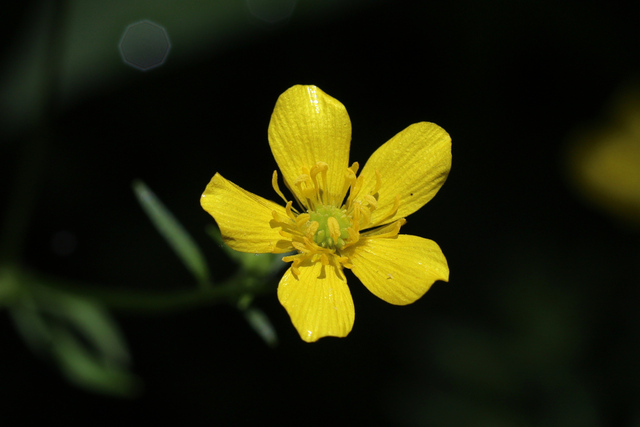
604 158
342 220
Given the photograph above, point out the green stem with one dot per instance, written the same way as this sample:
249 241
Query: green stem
229 291
22 199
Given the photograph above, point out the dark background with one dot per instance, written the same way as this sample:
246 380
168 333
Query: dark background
538 324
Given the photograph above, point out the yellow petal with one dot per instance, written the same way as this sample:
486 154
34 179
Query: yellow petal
398 270
309 126
318 301
244 218
413 165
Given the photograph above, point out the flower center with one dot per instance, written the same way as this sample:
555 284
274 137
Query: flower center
325 230
332 226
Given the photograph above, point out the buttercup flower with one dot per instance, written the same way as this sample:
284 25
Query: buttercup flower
603 158
340 220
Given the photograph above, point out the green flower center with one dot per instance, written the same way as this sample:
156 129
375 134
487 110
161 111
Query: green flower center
332 226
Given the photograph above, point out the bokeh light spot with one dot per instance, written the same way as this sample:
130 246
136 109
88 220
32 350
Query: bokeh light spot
144 45
603 158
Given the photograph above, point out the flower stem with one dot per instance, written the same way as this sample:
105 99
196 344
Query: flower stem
229 291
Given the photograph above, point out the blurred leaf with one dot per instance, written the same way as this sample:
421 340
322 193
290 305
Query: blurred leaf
260 265
92 62
31 326
262 325
9 284
78 334
90 320
89 370
258 320
177 237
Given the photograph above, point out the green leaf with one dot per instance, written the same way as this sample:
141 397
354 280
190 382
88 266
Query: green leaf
9 284
31 326
89 370
89 319
78 334
169 227
262 325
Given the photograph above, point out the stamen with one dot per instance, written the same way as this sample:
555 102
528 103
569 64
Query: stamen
355 189
323 174
354 167
301 179
300 246
279 217
354 236
378 183
389 230
302 219
319 168
392 212
307 183
366 216
349 179
355 219
345 261
296 260
334 229
276 187
312 229
285 234
289 210
373 203
324 259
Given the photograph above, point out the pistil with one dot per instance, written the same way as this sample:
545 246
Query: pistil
324 230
